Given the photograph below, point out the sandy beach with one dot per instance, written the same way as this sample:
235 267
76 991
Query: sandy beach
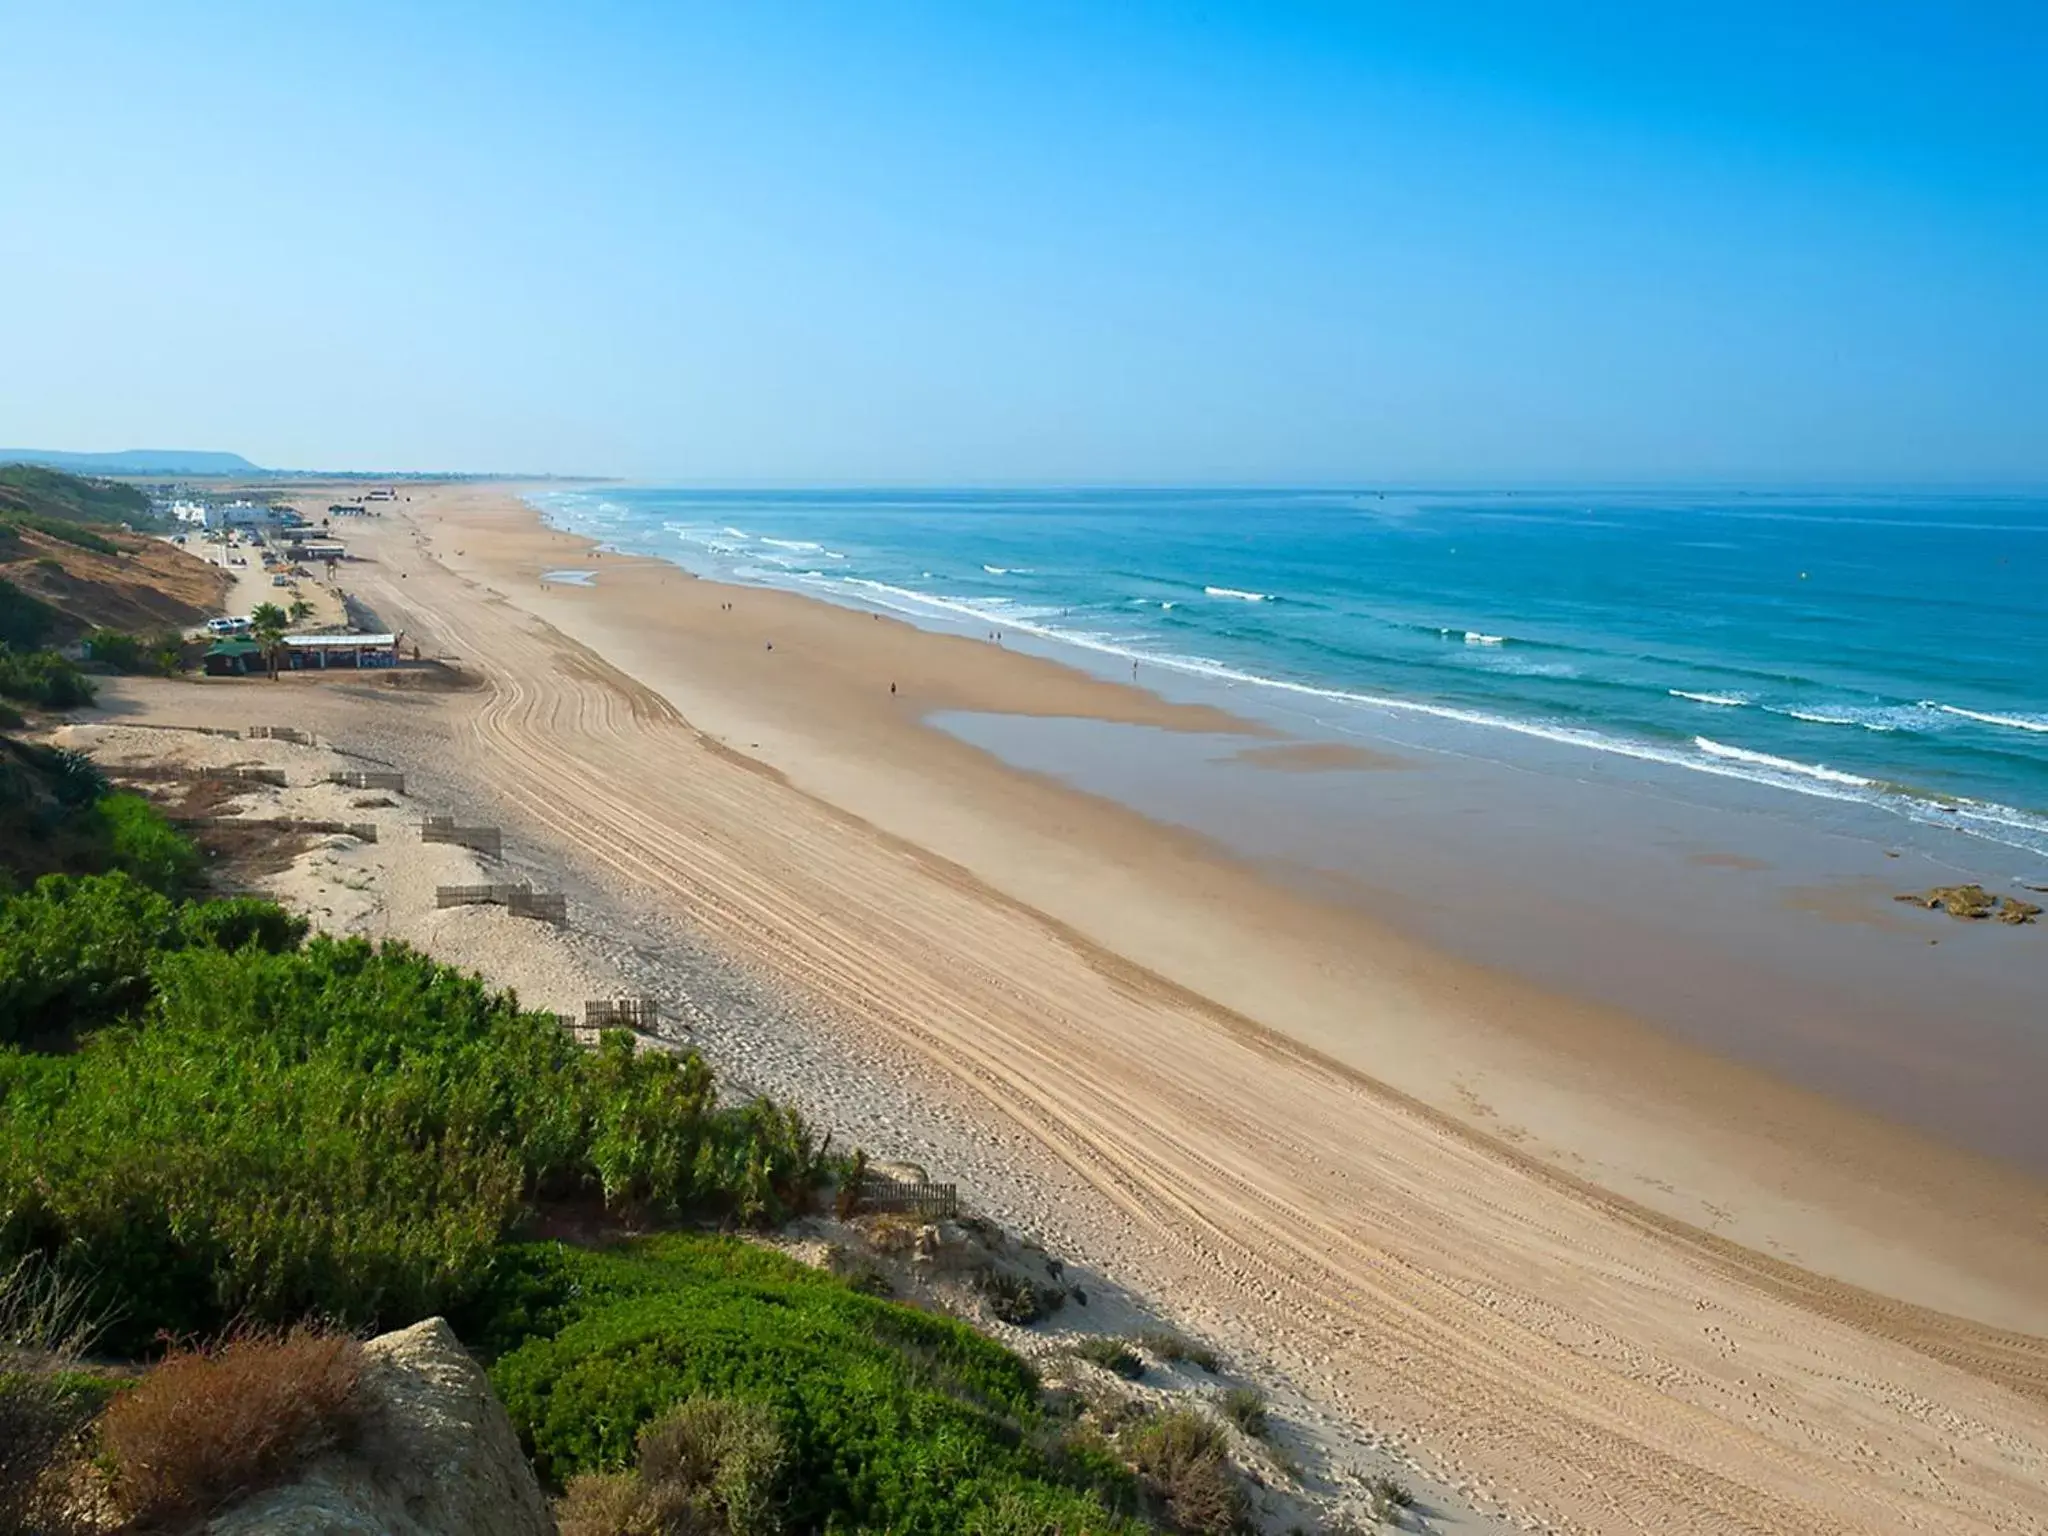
1577 1273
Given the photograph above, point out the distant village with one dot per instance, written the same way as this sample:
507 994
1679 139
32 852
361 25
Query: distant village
285 545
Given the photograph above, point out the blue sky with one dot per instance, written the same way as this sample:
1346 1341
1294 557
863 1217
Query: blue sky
902 243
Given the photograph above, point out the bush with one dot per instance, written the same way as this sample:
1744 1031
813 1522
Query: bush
1246 1408
45 1406
1015 1300
207 1426
707 1465
141 843
77 953
161 654
1183 1463
339 1130
1388 1495
1173 1347
25 620
43 678
1112 1355
889 1418
44 829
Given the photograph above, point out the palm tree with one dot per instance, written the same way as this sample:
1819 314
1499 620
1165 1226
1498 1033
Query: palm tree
301 610
267 624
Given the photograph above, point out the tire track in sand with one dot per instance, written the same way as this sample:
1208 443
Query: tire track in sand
1599 1366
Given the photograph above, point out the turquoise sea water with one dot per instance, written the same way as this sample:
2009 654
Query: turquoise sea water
1890 649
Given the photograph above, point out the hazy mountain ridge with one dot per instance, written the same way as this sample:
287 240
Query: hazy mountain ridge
136 461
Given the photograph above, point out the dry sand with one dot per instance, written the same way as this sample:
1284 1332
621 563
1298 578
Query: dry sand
1487 1230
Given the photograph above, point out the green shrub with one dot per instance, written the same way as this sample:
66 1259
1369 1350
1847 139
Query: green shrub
142 844
25 621
76 953
1246 1408
1173 1347
1112 1355
1015 1300
43 678
160 654
1184 1464
337 1130
889 1418
1388 1495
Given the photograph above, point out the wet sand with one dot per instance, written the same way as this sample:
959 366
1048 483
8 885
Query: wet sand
1608 1280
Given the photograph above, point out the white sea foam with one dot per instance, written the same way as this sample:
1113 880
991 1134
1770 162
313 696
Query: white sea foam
1243 597
1720 700
1820 771
1473 637
2004 824
997 570
736 532
803 544
2036 723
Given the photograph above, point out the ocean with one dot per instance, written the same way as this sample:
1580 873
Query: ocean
1885 649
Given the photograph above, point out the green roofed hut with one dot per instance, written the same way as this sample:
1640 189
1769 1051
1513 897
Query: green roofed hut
233 658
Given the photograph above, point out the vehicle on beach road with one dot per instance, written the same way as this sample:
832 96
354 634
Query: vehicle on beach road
234 626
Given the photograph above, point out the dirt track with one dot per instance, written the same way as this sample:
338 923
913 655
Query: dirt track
1585 1362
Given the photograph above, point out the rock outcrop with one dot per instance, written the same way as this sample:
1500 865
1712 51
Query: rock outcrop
437 1457
1973 903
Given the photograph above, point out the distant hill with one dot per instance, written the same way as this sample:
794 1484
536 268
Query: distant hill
30 493
136 461
66 567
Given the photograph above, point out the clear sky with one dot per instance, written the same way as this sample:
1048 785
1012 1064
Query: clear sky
798 241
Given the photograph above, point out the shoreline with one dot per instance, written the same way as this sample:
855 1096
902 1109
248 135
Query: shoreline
1590 1090
1440 1273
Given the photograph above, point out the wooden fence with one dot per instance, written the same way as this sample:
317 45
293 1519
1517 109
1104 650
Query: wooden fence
271 776
641 1013
934 1202
395 782
279 733
197 730
442 829
548 907
366 831
520 900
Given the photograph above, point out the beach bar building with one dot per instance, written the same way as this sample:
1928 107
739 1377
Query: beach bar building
323 651
230 657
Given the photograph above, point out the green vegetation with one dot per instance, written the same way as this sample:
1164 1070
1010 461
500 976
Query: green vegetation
28 491
161 654
1173 1348
42 678
253 1129
1246 1408
25 620
68 533
267 626
707 1465
211 1122
1113 1355
1183 1463
1389 1494
886 1418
